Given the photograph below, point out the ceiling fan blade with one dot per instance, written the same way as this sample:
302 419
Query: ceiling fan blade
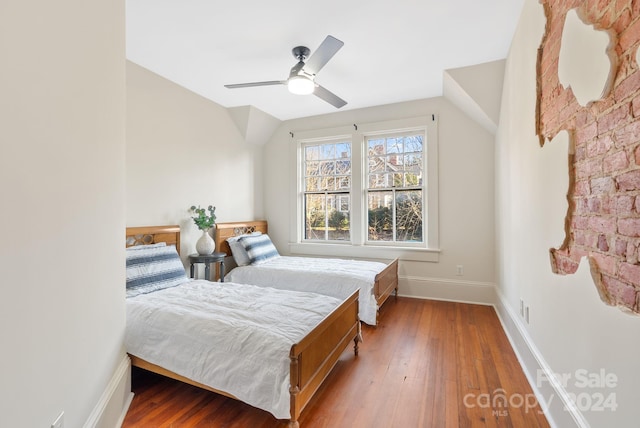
329 97
250 85
323 54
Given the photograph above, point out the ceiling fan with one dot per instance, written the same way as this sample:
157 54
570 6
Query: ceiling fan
301 77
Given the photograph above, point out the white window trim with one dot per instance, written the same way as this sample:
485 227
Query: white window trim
429 251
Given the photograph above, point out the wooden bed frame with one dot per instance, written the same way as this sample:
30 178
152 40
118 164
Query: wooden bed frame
386 282
311 359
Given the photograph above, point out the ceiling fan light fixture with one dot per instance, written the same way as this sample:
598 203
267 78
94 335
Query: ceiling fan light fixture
300 85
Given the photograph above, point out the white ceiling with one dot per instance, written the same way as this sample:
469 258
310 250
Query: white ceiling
393 50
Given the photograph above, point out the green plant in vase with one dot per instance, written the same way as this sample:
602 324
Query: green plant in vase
204 219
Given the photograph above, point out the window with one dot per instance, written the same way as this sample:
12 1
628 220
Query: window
327 191
394 187
368 190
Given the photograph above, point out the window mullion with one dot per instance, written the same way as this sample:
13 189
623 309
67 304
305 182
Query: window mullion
394 212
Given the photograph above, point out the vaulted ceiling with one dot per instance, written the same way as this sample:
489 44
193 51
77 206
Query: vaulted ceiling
393 51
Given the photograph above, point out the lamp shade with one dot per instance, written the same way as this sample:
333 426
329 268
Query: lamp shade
300 85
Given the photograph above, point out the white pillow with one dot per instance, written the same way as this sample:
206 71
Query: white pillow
237 250
153 267
260 249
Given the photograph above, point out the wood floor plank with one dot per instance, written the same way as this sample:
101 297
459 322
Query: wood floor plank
427 364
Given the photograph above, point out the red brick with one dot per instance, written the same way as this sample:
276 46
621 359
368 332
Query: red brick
623 20
625 205
593 205
630 35
628 181
607 205
606 20
602 185
606 264
620 292
599 146
591 239
628 86
587 133
579 222
629 134
603 245
629 226
589 168
632 253
614 119
621 247
629 272
602 224
582 188
583 118
615 162
581 206
565 265
635 106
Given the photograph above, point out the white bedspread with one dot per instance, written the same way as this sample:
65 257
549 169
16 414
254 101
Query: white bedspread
332 277
232 337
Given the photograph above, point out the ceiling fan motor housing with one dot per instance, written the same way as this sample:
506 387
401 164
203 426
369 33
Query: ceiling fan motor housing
301 52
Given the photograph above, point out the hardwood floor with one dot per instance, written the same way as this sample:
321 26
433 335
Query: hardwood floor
427 364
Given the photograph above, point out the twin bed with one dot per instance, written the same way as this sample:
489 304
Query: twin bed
269 347
334 277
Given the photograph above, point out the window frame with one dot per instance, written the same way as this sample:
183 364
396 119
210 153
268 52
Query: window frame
367 190
359 246
338 193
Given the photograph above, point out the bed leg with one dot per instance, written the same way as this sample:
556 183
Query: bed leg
293 424
357 340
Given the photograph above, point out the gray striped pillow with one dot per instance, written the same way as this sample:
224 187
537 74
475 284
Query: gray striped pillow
259 248
152 267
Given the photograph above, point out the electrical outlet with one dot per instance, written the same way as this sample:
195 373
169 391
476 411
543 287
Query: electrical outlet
526 314
59 422
459 270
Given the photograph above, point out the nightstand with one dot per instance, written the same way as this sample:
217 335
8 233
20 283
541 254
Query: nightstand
207 259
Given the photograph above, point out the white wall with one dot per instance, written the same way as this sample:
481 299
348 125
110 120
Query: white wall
185 150
569 329
466 191
62 118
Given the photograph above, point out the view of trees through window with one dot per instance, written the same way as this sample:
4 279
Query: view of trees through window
394 188
327 187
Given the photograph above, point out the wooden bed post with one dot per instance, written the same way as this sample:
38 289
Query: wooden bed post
294 390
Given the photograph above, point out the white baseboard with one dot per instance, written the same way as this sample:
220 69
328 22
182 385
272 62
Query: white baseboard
552 396
446 289
115 401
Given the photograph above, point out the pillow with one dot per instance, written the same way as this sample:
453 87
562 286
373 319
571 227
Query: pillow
153 267
237 250
259 248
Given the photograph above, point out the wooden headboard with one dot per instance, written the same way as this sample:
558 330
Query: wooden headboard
145 235
227 230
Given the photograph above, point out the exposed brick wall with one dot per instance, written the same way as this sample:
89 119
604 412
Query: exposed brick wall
603 219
